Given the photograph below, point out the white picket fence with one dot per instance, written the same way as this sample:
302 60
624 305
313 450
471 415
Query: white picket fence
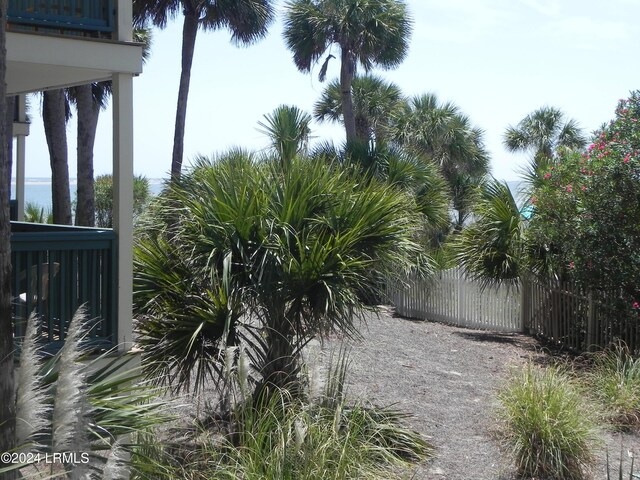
453 299
563 314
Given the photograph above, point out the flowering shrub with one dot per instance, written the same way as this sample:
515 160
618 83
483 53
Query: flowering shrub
587 210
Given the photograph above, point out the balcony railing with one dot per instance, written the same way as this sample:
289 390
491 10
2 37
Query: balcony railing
57 269
78 17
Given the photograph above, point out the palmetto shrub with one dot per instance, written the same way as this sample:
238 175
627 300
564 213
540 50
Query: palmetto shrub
547 424
240 252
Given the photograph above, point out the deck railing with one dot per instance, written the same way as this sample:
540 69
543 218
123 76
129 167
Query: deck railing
57 269
62 16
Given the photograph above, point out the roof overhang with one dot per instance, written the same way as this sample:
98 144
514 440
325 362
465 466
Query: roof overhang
38 62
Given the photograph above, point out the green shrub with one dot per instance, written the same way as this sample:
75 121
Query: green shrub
615 381
288 438
35 213
587 211
104 198
547 424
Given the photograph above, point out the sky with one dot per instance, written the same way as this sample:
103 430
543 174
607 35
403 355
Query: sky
498 60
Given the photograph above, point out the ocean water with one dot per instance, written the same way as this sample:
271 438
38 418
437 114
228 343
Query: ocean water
38 189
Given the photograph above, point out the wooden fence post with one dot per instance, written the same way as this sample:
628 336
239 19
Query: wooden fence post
591 323
525 311
461 296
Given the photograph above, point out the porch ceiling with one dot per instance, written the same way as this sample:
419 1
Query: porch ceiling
40 62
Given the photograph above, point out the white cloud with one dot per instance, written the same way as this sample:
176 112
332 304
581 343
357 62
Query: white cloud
588 31
459 20
550 8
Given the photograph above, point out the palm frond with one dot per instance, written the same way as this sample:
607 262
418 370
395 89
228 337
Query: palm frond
266 257
491 249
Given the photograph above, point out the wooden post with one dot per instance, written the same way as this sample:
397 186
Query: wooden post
591 323
525 313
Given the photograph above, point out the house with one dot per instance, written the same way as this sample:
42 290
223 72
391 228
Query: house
54 44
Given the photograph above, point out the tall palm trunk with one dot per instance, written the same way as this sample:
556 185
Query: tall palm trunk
10 116
88 113
55 122
189 32
7 387
347 72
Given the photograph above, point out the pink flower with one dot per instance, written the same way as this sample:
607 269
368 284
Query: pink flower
572 265
636 305
533 200
569 188
547 176
583 188
627 158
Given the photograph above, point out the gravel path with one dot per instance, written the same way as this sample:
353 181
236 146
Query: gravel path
447 378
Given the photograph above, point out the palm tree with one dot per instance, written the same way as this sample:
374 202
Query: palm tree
544 132
368 32
7 387
89 100
10 118
288 129
398 168
492 249
264 258
55 114
246 19
375 103
445 135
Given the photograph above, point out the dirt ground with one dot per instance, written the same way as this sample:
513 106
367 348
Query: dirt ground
447 378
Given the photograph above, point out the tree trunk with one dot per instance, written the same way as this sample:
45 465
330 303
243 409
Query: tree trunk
364 131
281 366
55 129
10 117
7 387
189 32
347 72
88 113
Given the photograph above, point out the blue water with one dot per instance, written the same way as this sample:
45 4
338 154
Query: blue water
38 190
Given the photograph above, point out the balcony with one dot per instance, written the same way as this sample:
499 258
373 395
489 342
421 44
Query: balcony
56 269
92 18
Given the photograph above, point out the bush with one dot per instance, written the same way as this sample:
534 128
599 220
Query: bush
35 213
587 211
97 410
104 198
547 424
287 438
615 381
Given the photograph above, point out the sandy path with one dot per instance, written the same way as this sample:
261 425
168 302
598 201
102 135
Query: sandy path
447 378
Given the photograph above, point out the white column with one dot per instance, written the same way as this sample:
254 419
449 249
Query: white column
124 23
21 131
123 200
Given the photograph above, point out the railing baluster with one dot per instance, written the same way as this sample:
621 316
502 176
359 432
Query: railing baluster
56 269
78 15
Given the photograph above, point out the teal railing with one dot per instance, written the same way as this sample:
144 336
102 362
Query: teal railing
62 15
57 269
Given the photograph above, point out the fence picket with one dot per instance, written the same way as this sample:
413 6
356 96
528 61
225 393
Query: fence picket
560 312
